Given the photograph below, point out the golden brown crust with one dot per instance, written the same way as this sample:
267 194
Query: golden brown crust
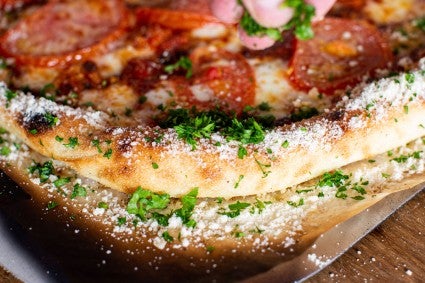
380 117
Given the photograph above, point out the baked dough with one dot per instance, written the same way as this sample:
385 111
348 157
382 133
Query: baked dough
378 117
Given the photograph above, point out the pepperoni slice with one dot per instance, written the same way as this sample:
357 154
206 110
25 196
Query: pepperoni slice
341 53
221 79
180 14
64 31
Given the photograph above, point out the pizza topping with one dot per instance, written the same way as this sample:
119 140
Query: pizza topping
180 15
8 5
65 31
203 79
341 54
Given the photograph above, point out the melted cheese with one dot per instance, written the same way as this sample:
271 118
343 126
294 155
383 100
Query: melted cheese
389 11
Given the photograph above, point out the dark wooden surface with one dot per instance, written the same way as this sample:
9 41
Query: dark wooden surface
394 252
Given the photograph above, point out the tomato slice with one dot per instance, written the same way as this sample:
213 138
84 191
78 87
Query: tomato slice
222 79
64 31
341 53
180 14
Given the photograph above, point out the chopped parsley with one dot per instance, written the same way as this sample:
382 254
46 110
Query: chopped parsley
5 151
33 131
199 127
9 96
188 204
51 119
410 78
191 125
285 144
72 142
242 152
235 209
238 181
51 205
167 237
263 167
252 28
341 182
61 182
259 206
335 179
121 221
303 191
96 143
108 153
296 204
239 234
210 249
78 191
403 158
155 165
144 203
44 170
103 205
183 63
300 22
58 138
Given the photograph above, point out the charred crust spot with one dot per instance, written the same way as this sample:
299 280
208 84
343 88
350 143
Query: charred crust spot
35 124
335 116
283 121
124 145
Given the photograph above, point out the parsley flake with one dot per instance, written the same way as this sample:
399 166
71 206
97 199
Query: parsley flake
44 170
51 205
183 63
72 142
167 237
108 153
188 204
121 221
78 191
103 205
235 209
61 182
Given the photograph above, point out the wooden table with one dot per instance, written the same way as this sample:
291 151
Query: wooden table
394 252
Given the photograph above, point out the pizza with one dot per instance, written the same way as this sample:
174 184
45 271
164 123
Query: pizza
154 118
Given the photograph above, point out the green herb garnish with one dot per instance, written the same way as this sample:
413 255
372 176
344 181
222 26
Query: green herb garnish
72 142
183 63
61 182
121 221
78 191
44 170
235 209
296 204
103 205
188 204
51 205
108 153
167 237
300 22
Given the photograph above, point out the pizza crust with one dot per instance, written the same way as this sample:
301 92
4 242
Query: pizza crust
287 230
379 117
